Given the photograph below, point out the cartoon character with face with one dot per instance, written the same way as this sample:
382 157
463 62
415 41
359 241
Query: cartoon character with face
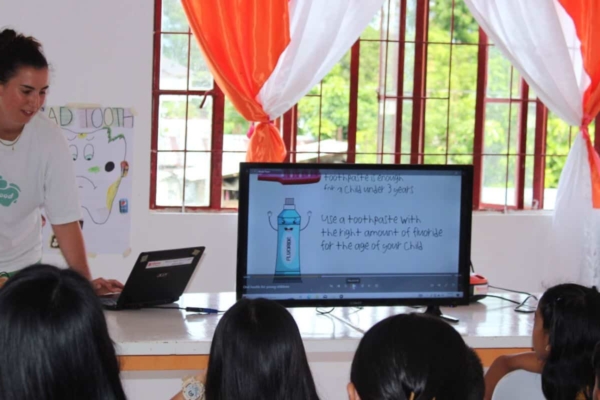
288 239
99 169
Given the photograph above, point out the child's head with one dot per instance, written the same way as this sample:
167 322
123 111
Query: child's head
257 352
54 340
566 329
415 356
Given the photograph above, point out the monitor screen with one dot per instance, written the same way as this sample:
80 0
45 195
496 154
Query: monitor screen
342 234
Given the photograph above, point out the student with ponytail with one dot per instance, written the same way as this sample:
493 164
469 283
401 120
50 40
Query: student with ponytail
415 357
565 332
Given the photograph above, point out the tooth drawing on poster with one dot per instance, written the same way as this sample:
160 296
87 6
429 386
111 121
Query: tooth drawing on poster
100 140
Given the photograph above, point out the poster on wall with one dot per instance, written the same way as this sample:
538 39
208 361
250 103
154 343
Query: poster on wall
101 143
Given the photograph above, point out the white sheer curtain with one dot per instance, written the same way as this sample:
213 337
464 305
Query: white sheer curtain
322 31
539 38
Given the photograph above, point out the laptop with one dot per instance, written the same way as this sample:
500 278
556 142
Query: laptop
158 277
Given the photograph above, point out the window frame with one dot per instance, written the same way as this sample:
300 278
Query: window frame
289 128
218 114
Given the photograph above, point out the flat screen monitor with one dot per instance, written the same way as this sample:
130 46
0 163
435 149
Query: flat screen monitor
354 234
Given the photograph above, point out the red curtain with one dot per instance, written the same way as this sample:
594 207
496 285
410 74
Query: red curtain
586 16
241 41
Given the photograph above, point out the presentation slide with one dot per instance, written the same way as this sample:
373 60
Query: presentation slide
353 222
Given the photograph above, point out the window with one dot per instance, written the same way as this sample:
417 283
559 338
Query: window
423 84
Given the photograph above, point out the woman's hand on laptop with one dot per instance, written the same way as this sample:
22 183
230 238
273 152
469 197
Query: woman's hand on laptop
102 286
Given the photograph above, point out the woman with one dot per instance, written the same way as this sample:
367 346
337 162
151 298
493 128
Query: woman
256 354
54 339
36 168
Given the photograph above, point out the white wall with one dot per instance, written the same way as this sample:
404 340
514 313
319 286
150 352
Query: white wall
101 53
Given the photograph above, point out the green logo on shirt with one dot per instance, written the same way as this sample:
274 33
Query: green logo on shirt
9 193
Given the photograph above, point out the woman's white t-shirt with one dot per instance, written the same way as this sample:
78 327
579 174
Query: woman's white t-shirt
37 172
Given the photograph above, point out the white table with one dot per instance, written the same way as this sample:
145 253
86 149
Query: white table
159 340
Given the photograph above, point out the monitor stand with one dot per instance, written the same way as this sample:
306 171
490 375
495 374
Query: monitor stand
436 312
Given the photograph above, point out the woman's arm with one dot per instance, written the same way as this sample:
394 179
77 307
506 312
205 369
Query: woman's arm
72 246
505 364
70 241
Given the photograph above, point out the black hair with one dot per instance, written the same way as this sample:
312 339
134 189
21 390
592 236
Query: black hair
416 354
257 353
54 341
16 51
475 380
596 363
571 318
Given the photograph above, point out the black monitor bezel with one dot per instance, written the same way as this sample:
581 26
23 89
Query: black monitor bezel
465 233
